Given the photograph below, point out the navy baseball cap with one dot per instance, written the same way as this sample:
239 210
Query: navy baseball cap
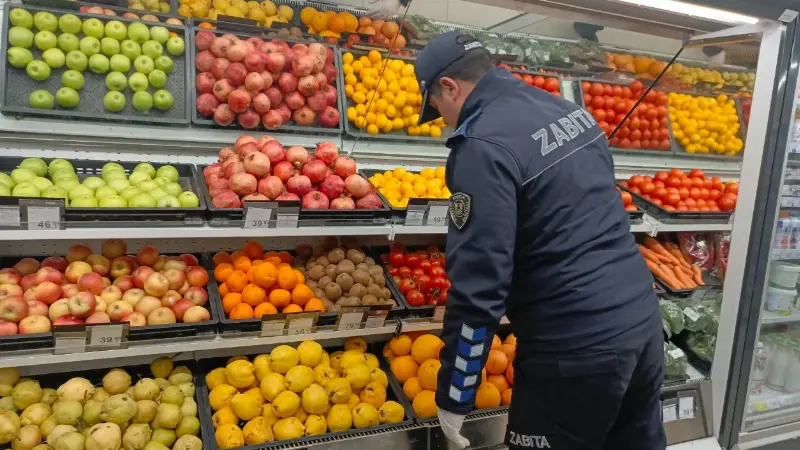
438 54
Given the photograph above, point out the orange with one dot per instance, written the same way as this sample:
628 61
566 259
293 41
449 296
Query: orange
223 290
510 351
280 297
314 304
264 275
250 274
221 257
350 21
242 263
377 24
257 262
242 311
511 339
390 29
496 343
510 373
253 249
425 347
367 30
237 281
427 374
412 387
270 254
424 404
230 301
387 353
285 257
497 362
398 41
488 396
400 345
301 294
237 254
287 279
403 367
364 21
253 295
222 272
264 309
336 24
505 397
207 26
319 22
300 277
291 309
500 382
306 14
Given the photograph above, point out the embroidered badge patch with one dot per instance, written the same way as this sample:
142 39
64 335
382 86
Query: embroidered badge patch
460 206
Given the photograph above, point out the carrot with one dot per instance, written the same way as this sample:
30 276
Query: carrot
686 271
683 278
676 252
651 255
698 275
661 273
656 246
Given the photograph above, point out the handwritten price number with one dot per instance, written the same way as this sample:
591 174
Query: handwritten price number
106 336
48 225
296 331
110 340
350 320
437 216
257 217
301 326
44 218
686 407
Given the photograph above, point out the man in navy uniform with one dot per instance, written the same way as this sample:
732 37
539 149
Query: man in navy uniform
538 233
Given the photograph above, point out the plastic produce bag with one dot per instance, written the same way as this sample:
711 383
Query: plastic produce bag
672 315
675 361
702 345
698 248
722 247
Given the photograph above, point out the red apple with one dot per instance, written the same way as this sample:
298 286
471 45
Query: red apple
184 288
133 296
91 282
30 294
197 276
140 275
68 290
147 255
136 319
111 294
13 309
37 308
101 304
176 264
82 304
56 262
197 295
78 253
26 266
161 316
28 281
160 263
175 277
49 274
7 328
190 259
170 298
180 307
48 292
98 317
147 304
120 267
118 309
114 248
124 283
196 314
67 320
10 290
34 324
9 276
156 284
100 264
76 270
132 259
58 308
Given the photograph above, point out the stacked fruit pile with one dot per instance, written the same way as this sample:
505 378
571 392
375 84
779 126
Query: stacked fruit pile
148 289
691 75
264 170
547 84
296 392
414 361
108 48
705 124
400 185
627 200
332 24
158 413
646 128
678 191
145 187
157 7
419 275
264 12
385 95
265 82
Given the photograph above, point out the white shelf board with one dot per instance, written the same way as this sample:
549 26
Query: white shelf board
771 317
693 373
675 227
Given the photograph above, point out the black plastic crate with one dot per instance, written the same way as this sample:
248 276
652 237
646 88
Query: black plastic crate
18 85
545 75
290 127
636 217
677 216
741 133
124 217
419 311
396 211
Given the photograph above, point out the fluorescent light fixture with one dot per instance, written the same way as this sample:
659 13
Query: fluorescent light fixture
696 11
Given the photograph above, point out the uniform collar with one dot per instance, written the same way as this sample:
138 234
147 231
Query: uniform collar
487 90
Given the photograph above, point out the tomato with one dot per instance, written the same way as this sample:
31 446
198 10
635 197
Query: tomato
425 264
732 187
650 97
624 132
700 202
585 86
608 90
690 203
683 192
598 102
392 271
648 187
636 135
626 93
614 142
538 81
694 193
630 208
627 198
587 99
616 91
626 143
620 107
635 123
716 183
412 260
556 93
674 182
676 172
681 208
437 284
659 184
703 208
396 259
417 272
645 143
438 272
714 207
423 283
406 285
686 182
644 124
661 111
610 102
610 115
415 298
440 298
637 86
707 183
647 134
697 182
597 89
599 115
636 180
672 199
551 85
727 202
604 126
651 114
423 256
714 194
659 193
658 202
528 79
517 76
665 144
669 208
404 272
662 99
636 144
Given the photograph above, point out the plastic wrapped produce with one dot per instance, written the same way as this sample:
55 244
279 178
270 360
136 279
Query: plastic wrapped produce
702 345
698 248
722 246
675 361
672 315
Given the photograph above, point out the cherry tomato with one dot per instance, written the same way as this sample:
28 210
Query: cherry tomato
732 187
611 102
616 91
406 285
686 182
683 192
694 193
598 102
415 298
585 86
626 93
396 259
599 115
714 194
624 132
636 135
644 124
412 260
637 86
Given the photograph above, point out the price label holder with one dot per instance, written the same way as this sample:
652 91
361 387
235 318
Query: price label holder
437 214
288 214
273 325
238 24
107 336
686 405
669 410
69 339
350 318
43 215
376 316
302 323
438 314
10 217
258 214
415 212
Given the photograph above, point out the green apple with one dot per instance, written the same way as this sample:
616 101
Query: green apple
152 49
157 193
20 18
20 37
67 184
143 200
19 57
79 191
175 46
119 183
109 166
114 101
77 61
146 168
116 81
138 32
162 100
147 185
138 82
69 23
164 64
188 199
41 99
55 192
25 189
159 34
68 42
45 21
44 40
63 174
129 192
168 172
22 175
38 70
67 97
59 164
35 165
82 201
142 101
113 201
113 175
94 28
5 191
109 46
54 58
143 64
93 182
130 49
42 183
7 180
120 63
157 78
99 63
72 79
173 189
168 201
161 181
116 30
137 178
90 45
104 191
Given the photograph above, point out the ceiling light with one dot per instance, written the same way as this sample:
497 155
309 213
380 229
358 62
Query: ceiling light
696 11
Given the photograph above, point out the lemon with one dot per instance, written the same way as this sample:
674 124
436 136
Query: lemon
397 124
407 70
439 171
414 119
240 374
220 396
419 188
347 58
350 79
215 378
372 129
361 88
359 97
399 172
361 110
360 121
425 129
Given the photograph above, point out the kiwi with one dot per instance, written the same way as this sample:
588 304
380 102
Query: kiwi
330 270
316 272
283 33
387 294
363 267
390 301
319 293
311 263
333 291
379 279
369 261
336 255
311 283
357 256
329 305
374 289
359 276
349 301
323 260
345 266
358 290
369 300
345 281
324 281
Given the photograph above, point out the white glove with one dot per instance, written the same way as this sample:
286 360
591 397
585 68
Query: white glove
451 426
383 9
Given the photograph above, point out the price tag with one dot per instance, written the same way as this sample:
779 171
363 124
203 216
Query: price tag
691 314
107 336
302 323
258 214
438 314
376 316
669 412
69 339
273 325
350 318
44 218
288 214
686 407
773 404
676 353
437 215
9 216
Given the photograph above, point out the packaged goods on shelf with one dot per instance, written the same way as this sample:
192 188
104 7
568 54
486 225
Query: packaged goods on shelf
675 362
722 248
672 314
780 300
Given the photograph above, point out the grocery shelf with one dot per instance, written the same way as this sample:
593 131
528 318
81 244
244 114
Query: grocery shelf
779 254
771 317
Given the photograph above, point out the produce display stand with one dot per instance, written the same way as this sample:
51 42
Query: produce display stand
17 85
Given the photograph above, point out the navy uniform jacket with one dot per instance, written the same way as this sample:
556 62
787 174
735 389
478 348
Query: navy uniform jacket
537 232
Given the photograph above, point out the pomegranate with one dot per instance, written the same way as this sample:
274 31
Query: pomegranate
315 200
254 197
254 81
302 65
261 103
318 63
237 51
297 156
215 186
287 82
332 186
317 102
249 119
303 116
308 85
288 57
219 67
344 166
222 90
203 40
236 73
268 80
239 101
230 36
232 169
204 60
300 49
219 47
248 149
369 201
343 203
225 153
254 62
298 185
226 199
272 119
213 169
255 42
242 140
287 196
330 73
317 49
263 140
330 95
275 95
223 115
275 62
322 79
206 104
205 82
295 100
256 163
329 117
270 186
284 170
314 170
357 185
286 112
328 56
274 151
243 183
327 152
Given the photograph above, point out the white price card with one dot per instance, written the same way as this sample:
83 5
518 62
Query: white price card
691 314
773 404
9 216
44 218
273 325
437 215
376 316
257 217
286 221
350 319
414 217
302 323
107 336
669 412
69 339
686 407
438 314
